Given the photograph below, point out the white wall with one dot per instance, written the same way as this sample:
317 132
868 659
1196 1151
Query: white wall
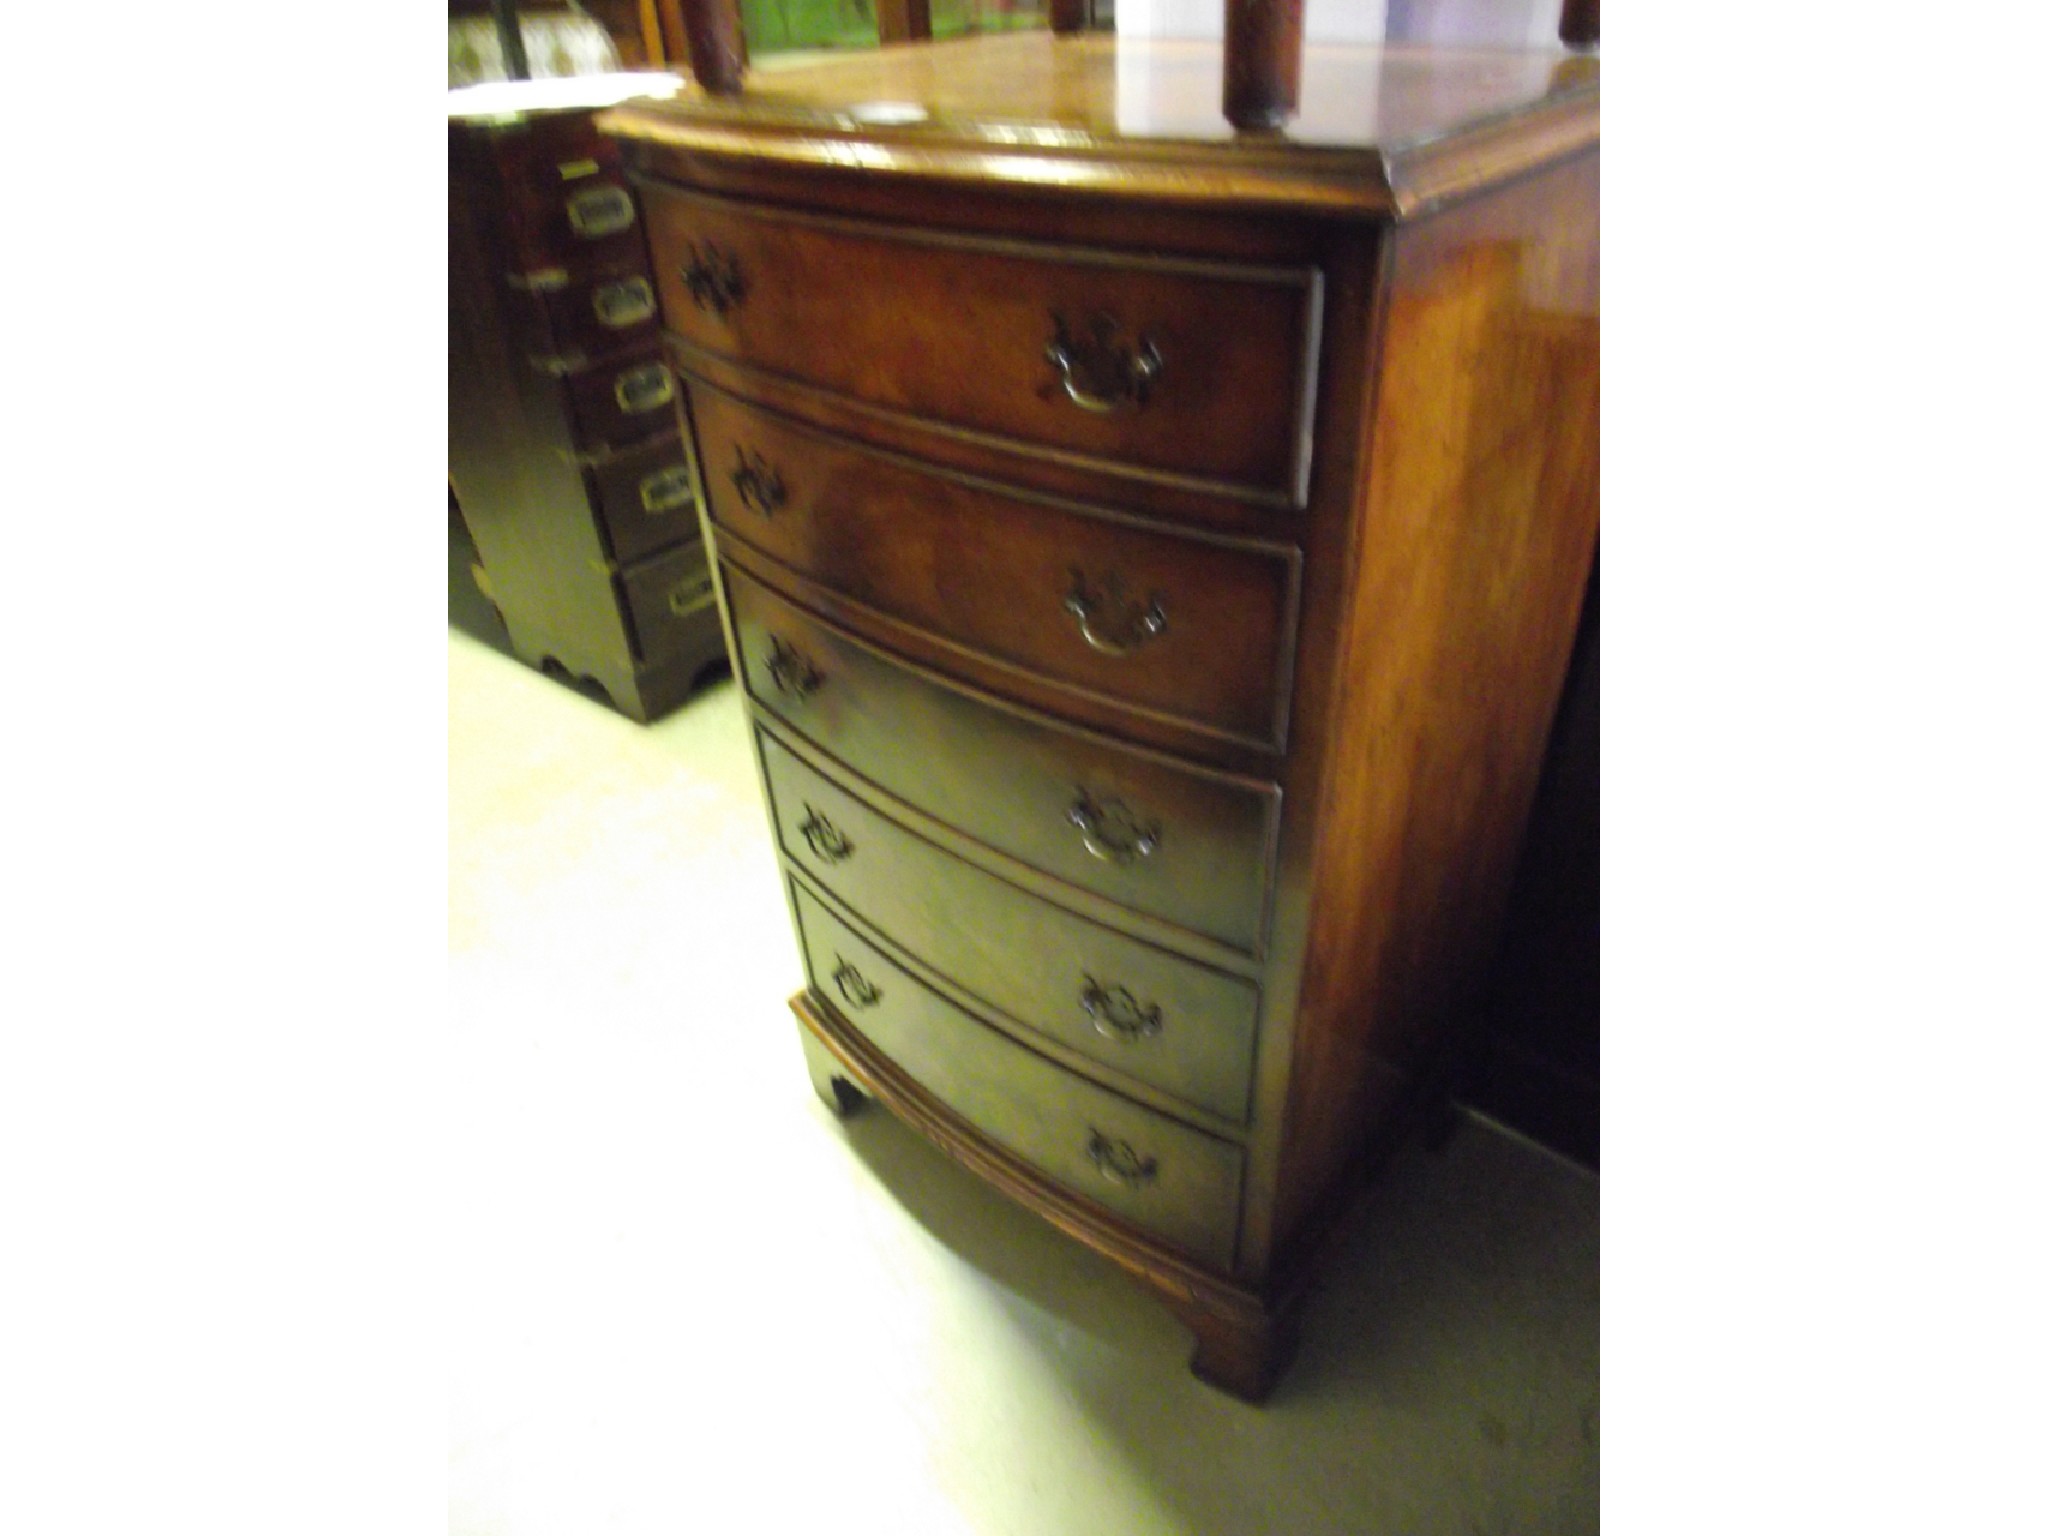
1325 21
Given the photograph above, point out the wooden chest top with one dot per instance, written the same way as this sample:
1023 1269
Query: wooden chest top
1381 130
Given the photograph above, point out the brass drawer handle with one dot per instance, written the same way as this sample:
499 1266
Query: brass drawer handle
624 303
791 670
665 490
826 840
1110 622
1100 371
853 986
1111 830
1117 1014
646 388
758 484
596 212
713 278
687 597
1119 1161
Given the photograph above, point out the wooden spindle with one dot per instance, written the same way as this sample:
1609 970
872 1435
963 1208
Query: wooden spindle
1578 26
718 44
1261 61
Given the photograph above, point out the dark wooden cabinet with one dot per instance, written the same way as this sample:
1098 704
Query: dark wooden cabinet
1151 556
572 473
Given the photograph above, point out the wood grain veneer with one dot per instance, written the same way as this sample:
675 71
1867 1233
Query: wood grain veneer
898 483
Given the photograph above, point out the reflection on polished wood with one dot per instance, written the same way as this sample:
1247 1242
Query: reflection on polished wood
1378 129
1152 557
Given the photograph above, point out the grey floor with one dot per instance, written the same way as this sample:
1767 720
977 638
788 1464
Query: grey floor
688 1299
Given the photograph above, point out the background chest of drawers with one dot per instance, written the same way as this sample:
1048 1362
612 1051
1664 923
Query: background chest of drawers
1151 565
567 461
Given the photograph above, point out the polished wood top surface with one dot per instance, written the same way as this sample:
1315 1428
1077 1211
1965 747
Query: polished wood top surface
1380 129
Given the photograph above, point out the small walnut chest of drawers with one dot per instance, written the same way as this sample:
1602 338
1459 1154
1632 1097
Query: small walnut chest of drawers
564 450
1151 558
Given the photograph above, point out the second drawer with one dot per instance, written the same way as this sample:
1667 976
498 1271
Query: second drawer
1181 626
1163 1020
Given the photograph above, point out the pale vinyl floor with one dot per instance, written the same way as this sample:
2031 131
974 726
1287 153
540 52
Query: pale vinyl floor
687 1299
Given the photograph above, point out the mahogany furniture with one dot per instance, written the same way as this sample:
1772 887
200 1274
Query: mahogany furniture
564 451
1151 556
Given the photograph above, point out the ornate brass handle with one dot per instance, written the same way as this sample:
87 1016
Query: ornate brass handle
623 303
1111 830
713 278
791 670
1099 370
646 388
596 212
1119 1161
1117 1014
853 986
826 840
1111 622
759 486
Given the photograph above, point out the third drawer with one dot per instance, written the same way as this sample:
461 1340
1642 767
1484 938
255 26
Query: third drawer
1162 837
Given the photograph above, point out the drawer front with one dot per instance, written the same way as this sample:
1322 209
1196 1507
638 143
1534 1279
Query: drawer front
568 203
1179 1027
666 598
589 317
1197 371
1185 846
623 400
1153 1171
1189 629
646 498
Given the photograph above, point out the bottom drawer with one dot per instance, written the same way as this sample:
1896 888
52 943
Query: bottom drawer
1154 1172
664 597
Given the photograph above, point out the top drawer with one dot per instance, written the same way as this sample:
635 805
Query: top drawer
1193 372
567 204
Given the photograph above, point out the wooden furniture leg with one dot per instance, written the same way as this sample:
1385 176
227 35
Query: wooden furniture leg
834 1087
1238 1350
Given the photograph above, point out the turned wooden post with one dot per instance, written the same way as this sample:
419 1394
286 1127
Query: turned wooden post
1579 24
1261 61
718 45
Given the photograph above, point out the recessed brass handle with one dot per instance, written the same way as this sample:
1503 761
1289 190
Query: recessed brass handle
1111 830
646 388
665 490
1119 1161
791 670
1111 622
1101 371
757 482
624 303
687 597
853 986
596 212
713 278
1117 1014
826 840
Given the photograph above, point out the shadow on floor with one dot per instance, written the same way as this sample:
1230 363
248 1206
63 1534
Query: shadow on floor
1448 1378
